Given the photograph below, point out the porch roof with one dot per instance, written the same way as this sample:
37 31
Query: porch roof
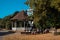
20 16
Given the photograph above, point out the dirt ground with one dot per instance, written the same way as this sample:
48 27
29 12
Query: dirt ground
18 36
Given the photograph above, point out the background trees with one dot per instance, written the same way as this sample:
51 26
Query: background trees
46 13
6 21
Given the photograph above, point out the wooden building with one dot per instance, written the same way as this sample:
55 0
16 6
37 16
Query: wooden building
19 21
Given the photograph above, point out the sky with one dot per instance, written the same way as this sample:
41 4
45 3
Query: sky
8 7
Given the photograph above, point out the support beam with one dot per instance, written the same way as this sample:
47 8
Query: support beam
15 25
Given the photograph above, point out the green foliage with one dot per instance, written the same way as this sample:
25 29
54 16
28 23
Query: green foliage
6 21
46 12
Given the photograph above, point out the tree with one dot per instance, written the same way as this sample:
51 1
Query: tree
46 12
7 20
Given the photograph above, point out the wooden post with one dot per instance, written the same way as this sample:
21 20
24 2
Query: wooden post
15 24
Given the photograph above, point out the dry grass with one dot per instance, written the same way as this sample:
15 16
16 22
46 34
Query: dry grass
18 36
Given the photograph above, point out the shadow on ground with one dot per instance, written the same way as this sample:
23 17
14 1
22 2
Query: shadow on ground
58 33
6 33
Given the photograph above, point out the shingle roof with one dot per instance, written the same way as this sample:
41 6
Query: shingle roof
20 16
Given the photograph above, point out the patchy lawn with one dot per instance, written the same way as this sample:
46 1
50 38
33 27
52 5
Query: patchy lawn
18 36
